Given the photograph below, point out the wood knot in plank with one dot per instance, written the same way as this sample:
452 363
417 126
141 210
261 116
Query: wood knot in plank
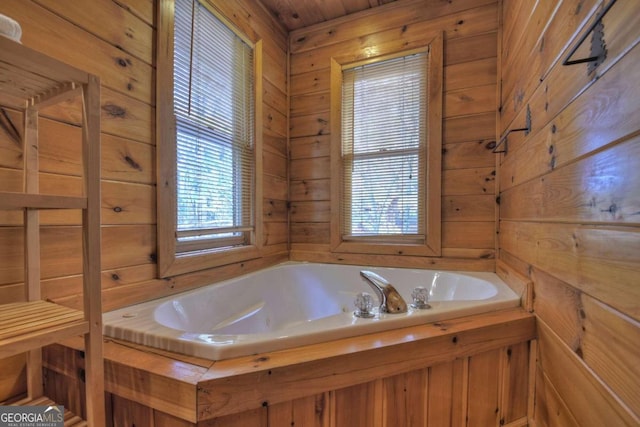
123 62
114 110
135 165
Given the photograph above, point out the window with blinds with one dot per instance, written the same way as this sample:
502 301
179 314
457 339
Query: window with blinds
214 112
384 119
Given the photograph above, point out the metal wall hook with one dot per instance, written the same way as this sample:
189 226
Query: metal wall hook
598 50
503 140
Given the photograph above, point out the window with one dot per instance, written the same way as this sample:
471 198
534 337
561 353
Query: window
388 195
383 148
213 106
207 158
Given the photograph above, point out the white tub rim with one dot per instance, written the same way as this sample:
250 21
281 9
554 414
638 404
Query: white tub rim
218 346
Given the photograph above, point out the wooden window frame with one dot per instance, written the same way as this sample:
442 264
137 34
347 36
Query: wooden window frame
170 261
431 246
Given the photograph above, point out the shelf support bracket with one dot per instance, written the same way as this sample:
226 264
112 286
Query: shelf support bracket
598 50
503 140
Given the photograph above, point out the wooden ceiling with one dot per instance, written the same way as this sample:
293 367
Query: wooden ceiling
295 14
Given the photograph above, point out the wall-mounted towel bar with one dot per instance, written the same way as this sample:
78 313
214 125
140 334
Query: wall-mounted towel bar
503 140
598 47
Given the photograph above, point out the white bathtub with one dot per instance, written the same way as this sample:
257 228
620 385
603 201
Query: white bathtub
295 304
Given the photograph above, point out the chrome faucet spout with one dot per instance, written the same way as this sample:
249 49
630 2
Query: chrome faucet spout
390 299
376 282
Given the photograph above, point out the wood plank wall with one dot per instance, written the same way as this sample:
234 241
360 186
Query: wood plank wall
570 198
569 190
115 40
468 200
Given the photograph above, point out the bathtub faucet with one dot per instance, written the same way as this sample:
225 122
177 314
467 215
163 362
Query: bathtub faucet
390 299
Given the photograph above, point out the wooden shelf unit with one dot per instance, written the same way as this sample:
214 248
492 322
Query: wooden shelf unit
30 81
70 419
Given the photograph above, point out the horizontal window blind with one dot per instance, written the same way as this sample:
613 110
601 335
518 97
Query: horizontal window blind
384 112
213 106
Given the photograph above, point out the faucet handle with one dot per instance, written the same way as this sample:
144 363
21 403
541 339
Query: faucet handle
420 297
364 305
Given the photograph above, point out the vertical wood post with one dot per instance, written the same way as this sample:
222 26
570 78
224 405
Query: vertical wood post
32 241
91 253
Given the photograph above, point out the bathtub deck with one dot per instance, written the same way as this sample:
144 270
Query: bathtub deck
195 389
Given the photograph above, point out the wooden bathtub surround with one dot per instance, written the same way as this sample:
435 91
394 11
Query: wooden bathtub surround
33 81
520 284
476 364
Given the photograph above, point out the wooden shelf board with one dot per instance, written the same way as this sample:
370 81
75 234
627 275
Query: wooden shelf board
12 200
70 419
29 325
18 78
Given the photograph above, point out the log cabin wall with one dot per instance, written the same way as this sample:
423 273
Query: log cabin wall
115 40
567 218
468 178
569 203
